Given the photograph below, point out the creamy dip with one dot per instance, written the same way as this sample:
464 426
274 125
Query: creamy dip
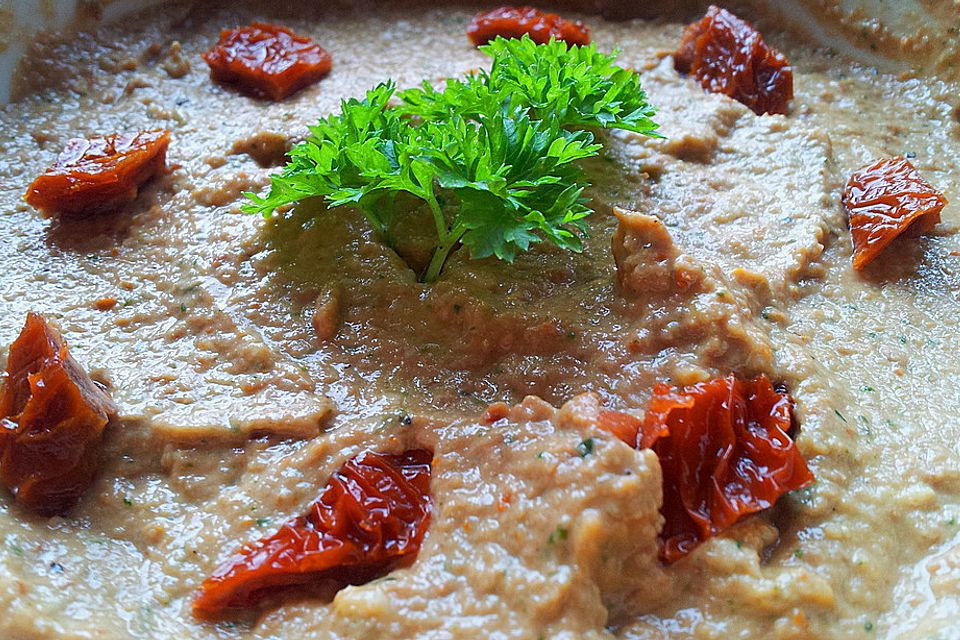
250 358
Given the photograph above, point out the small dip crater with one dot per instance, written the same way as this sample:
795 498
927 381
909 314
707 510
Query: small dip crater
267 148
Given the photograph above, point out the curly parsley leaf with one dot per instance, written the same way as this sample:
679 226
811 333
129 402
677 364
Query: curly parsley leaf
492 156
577 85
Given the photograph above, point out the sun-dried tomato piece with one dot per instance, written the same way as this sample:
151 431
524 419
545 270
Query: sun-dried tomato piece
727 55
631 429
727 454
267 60
884 200
371 518
52 416
514 22
99 174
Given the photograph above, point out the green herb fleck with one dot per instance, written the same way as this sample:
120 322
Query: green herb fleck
868 626
127 501
559 535
839 415
261 522
492 157
806 495
585 448
867 388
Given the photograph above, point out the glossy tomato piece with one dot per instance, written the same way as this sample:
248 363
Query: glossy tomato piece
631 429
99 174
727 454
727 55
371 518
52 416
267 61
884 200
514 22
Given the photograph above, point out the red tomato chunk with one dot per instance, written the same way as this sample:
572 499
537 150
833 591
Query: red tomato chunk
267 61
371 519
52 416
727 55
514 22
630 429
99 174
726 454
884 200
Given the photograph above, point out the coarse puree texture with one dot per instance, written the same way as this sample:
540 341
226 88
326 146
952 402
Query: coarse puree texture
250 358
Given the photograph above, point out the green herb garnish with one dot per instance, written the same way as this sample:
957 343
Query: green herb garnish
557 535
585 448
577 86
491 156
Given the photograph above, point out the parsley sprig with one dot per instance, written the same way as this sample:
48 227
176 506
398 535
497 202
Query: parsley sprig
492 156
578 86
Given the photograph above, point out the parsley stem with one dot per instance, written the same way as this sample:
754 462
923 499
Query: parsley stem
439 221
447 242
377 224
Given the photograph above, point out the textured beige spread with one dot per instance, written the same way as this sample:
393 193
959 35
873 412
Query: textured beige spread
251 358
